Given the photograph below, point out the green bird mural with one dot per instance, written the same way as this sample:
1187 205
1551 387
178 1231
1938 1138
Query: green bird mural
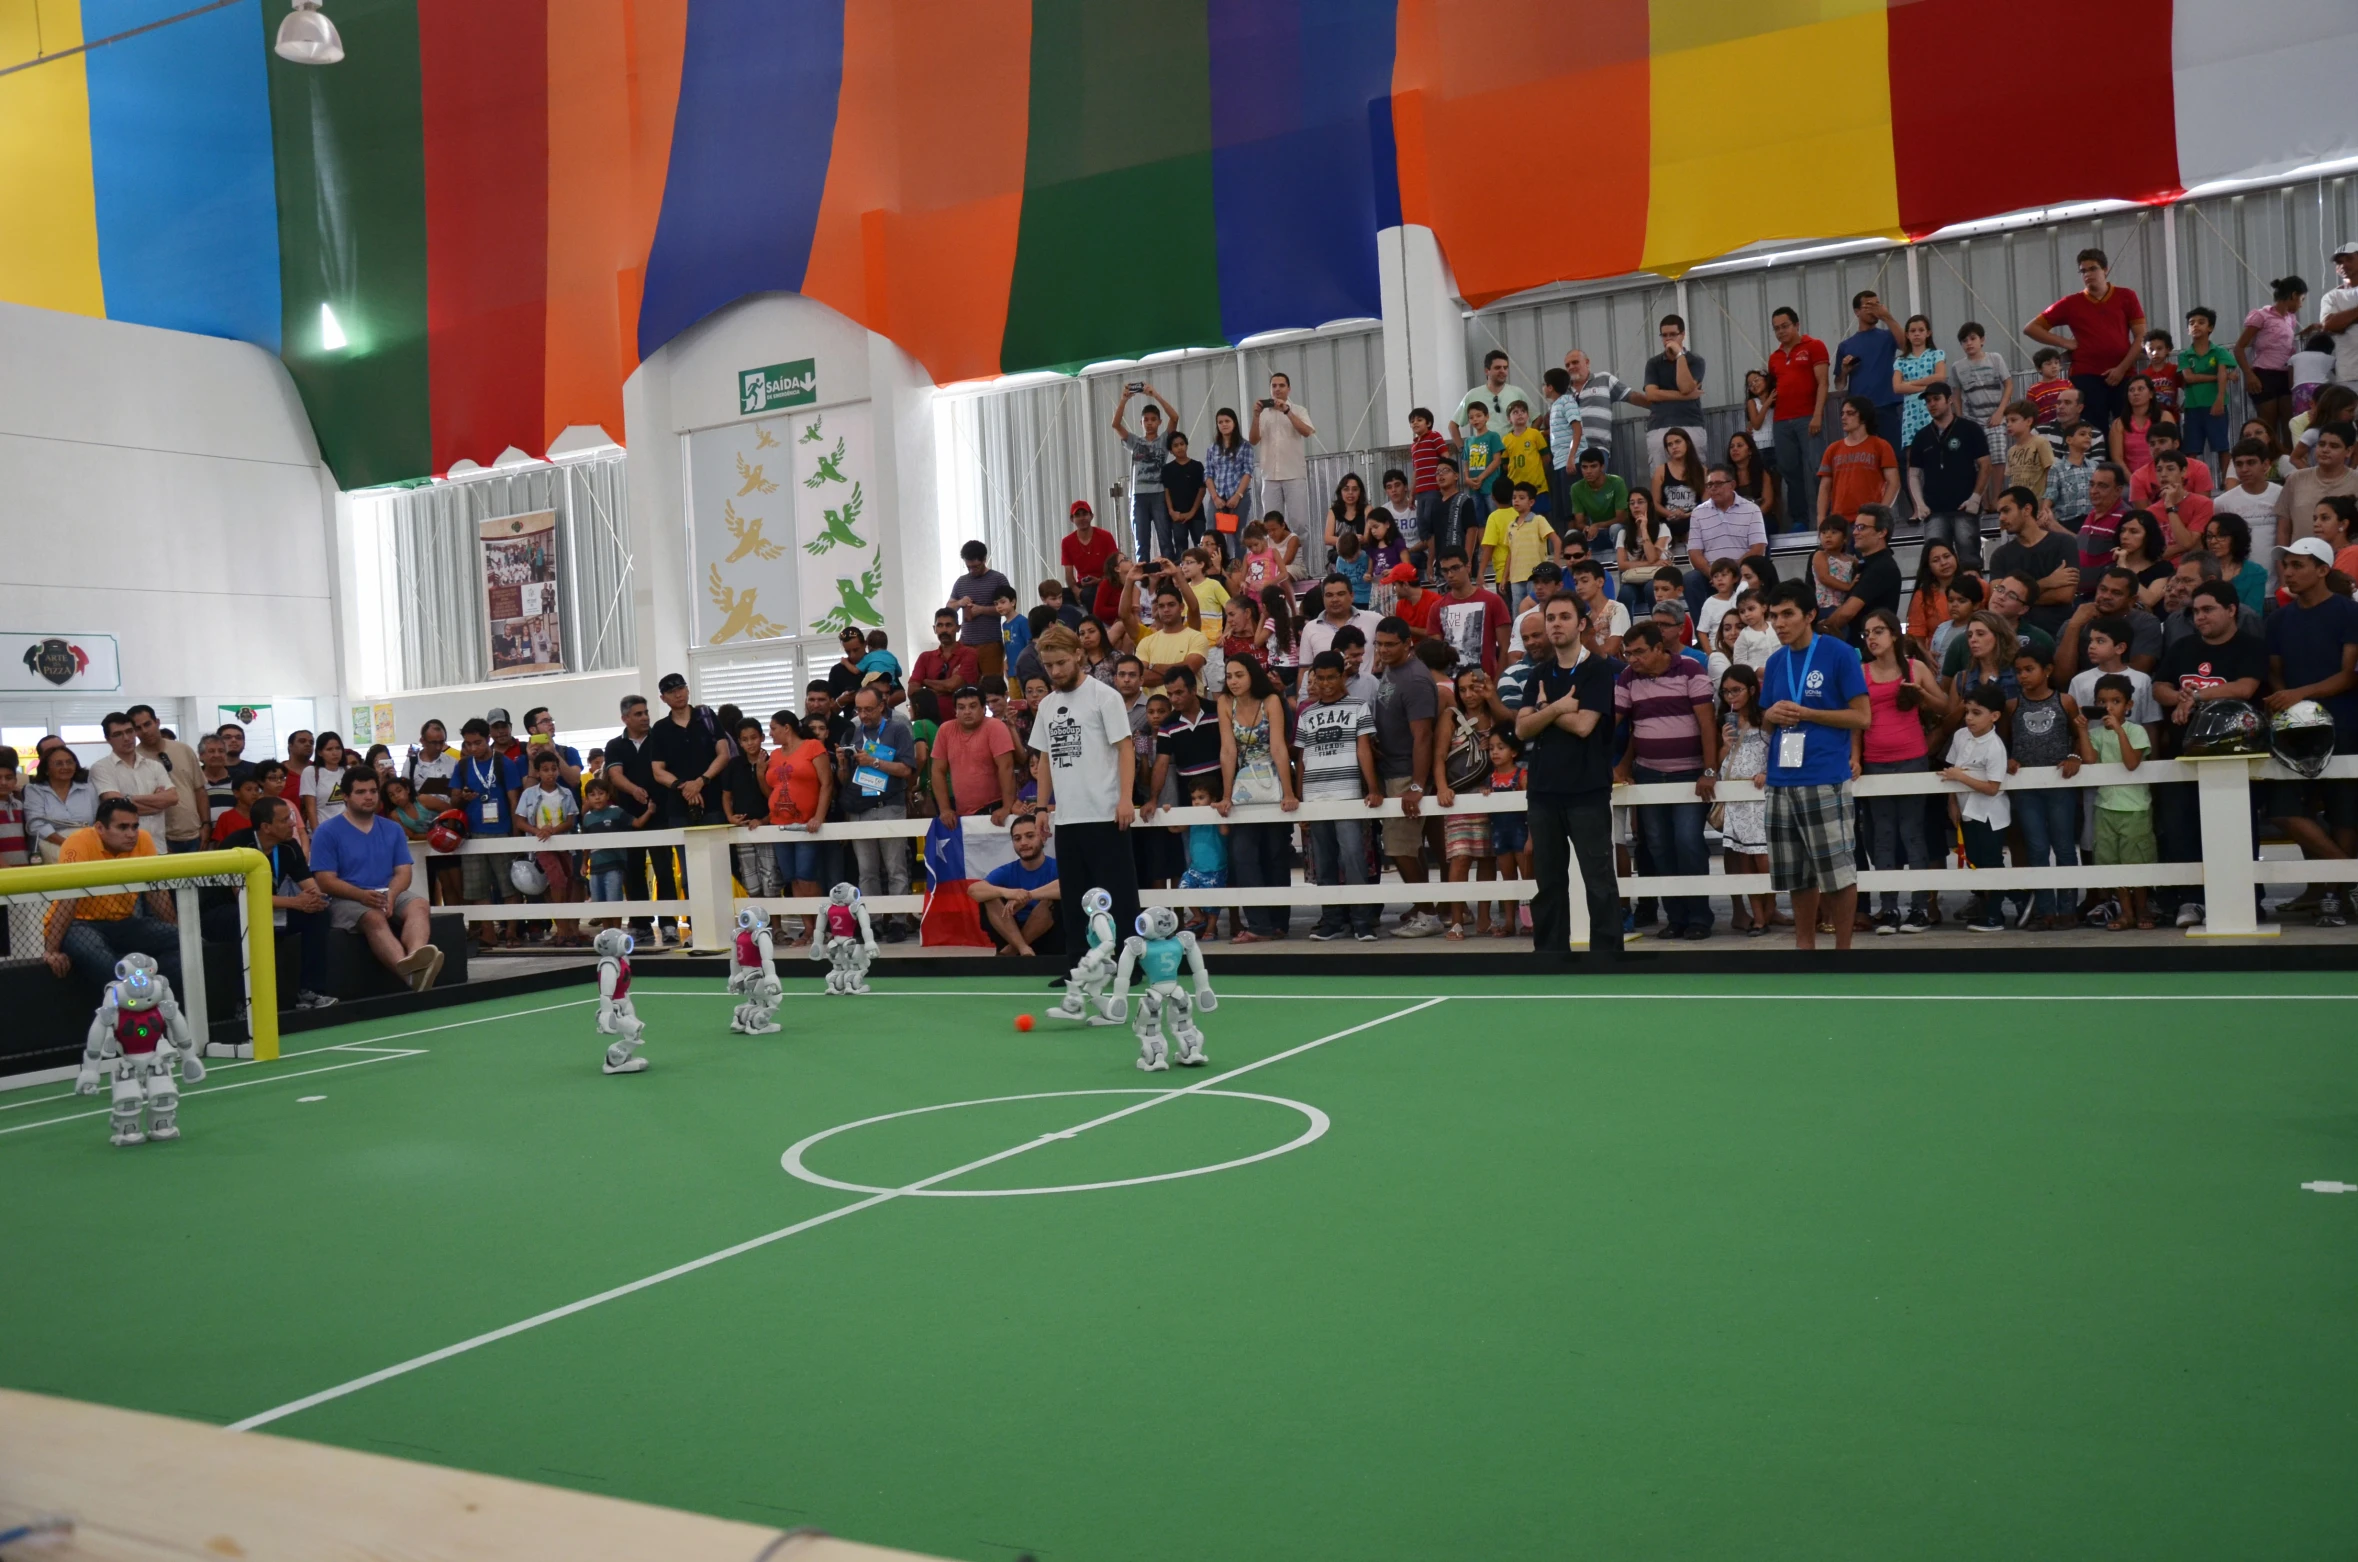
810 436
839 527
858 605
830 468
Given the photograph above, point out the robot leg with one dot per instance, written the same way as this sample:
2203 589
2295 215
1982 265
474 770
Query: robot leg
855 956
1191 1040
755 1016
622 1022
1153 1051
163 1097
128 1099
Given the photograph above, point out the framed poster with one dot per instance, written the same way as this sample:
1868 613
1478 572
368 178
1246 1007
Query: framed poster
40 662
520 600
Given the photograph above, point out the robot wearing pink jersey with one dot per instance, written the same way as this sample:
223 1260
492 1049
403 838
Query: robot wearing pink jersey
616 1017
752 975
1164 1008
141 1031
845 940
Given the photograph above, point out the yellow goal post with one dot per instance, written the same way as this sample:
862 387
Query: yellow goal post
48 887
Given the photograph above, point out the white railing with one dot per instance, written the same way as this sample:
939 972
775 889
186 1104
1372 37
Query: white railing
2228 871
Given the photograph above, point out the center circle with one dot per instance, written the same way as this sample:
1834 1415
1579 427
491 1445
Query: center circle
792 1160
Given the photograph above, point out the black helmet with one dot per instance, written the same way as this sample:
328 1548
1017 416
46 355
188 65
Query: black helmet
2301 737
2223 727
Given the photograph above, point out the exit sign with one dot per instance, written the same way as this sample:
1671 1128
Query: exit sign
793 384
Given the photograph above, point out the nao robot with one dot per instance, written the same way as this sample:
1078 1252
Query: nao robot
616 1017
142 1032
1085 988
845 940
1164 1007
752 976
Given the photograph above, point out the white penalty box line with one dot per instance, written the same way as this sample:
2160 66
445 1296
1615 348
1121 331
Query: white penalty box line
555 1314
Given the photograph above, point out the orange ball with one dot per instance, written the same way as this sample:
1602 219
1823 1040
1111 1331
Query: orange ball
1023 1022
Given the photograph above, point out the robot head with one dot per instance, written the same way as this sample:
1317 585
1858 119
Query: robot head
2301 736
137 985
1158 922
752 920
1097 903
844 895
614 941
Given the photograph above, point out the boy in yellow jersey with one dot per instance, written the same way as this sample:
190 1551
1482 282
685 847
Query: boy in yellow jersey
1515 541
1526 453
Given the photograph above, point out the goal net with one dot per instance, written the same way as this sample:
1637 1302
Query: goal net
205 916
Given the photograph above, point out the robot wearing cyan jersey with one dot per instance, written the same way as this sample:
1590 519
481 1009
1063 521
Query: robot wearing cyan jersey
752 975
141 1031
1157 953
1089 980
845 940
616 1017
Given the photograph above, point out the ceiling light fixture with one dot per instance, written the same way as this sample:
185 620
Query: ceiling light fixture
307 37
331 331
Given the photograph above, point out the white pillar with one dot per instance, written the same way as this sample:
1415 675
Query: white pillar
711 889
192 963
1424 330
2229 886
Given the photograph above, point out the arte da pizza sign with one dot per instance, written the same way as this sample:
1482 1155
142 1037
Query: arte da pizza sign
46 663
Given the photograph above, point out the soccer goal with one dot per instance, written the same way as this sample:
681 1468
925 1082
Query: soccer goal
42 902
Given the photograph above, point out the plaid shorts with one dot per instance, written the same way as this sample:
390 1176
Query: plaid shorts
1810 844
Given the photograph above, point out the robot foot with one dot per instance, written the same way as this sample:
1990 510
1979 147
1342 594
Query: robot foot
128 1135
1153 1057
631 1066
164 1126
1191 1051
1072 1006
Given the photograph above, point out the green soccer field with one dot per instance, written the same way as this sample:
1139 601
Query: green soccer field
1738 1267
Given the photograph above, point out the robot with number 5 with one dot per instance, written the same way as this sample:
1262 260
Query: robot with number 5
616 1017
141 1031
752 974
1166 1011
1086 986
845 940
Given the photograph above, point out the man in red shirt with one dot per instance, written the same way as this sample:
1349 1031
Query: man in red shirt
1086 553
1414 606
949 666
1800 367
1471 618
2107 327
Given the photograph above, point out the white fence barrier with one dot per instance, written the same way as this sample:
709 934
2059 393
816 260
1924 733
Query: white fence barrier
2229 871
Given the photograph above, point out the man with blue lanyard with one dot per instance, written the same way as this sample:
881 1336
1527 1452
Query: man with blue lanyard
297 904
1815 692
486 785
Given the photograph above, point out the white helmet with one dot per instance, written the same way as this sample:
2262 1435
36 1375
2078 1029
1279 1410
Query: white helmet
615 941
525 874
844 895
1097 902
1158 922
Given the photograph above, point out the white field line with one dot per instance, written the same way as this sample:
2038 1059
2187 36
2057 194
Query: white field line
554 1314
390 1056
1596 997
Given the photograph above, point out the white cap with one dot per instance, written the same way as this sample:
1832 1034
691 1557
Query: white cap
2311 548
2348 247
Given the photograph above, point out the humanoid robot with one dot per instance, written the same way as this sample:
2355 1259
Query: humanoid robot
1084 990
141 1031
616 1017
1166 1011
752 976
845 940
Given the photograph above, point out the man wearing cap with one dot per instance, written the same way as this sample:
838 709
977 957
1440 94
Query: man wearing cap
503 735
1088 551
688 756
2338 314
1948 462
1319 633
2313 655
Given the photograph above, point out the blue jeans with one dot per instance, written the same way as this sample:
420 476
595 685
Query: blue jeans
94 945
1895 832
606 884
1150 525
1338 855
2202 430
1673 834
2050 820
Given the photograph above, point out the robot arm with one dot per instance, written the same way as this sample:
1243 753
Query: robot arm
101 1048
1101 932
1117 1005
867 933
192 1067
1205 999
769 952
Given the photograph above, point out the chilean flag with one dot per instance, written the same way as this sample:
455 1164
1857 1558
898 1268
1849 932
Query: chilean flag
954 858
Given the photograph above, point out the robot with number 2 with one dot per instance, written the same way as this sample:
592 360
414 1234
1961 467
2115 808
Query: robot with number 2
141 1032
1166 1011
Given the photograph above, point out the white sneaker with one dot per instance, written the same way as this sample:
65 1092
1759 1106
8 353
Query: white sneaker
1417 925
2190 914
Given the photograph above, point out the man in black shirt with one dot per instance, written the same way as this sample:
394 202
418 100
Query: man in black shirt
1877 583
630 774
1566 723
2051 560
843 679
1183 494
2219 661
1458 517
688 756
297 904
1948 461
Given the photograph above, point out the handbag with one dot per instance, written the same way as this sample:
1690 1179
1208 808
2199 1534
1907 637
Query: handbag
1224 520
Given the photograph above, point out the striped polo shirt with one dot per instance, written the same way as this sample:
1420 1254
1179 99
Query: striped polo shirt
1664 734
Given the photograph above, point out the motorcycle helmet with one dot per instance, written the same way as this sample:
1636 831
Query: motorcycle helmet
525 874
2221 727
448 831
2301 738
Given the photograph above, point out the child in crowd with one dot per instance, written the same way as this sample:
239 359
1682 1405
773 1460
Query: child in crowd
2160 368
1977 762
2067 480
1425 450
1516 540
1386 549
1510 834
1743 830
881 660
403 808
1196 570
2028 456
2049 816
601 817
2312 370
1207 863
2109 642
1526 454
547 808
1756 642
1723 647
1015 630
1484 457
1725 579
2050 385
242 797
1352 563
2205 373
15 848
2124 813
1832 566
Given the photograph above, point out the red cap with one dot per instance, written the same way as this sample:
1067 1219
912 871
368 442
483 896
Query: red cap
1400 575
1080 507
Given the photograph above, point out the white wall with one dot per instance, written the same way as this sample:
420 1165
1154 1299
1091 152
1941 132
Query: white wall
164 488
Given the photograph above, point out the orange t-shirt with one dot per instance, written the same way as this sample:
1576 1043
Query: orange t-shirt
793 782
1857 471
87 845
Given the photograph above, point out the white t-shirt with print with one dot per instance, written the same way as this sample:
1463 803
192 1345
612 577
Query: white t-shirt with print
1082 733
1984 758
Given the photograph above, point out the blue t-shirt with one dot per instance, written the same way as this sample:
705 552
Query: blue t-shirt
1825 677
2310 641
1207 849
1875 350
362 859
494 778
881 662
1015 875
